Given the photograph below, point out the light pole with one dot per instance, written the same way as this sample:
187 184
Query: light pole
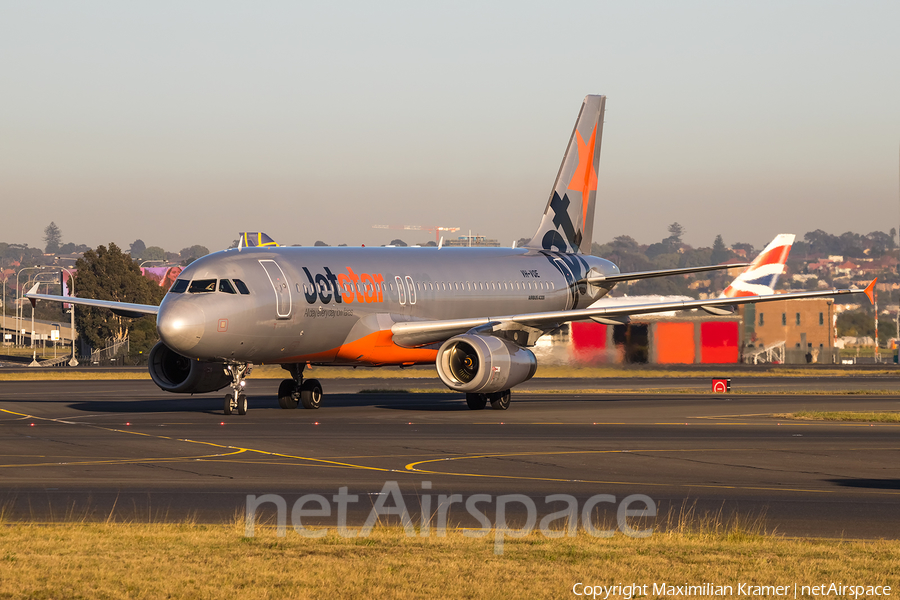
36 281
74 361
20 311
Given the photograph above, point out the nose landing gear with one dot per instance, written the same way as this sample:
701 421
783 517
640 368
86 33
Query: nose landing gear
236 400
299 391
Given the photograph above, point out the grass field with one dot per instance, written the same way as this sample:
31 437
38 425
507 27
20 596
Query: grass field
103 560
867 417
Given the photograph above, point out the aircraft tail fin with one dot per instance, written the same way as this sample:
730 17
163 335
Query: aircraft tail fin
761 276
568 222
255 238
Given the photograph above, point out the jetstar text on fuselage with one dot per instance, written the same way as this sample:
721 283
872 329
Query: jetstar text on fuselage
343 288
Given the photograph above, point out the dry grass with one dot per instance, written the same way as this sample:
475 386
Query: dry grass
867 417
105 560
39 374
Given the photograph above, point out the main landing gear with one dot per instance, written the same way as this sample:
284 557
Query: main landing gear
498 400
292 392
236 401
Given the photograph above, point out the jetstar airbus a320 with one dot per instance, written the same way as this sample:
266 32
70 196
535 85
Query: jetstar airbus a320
473 312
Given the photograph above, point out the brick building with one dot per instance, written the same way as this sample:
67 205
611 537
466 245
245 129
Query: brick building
794 322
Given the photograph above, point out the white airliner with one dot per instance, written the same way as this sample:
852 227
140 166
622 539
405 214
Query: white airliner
473 312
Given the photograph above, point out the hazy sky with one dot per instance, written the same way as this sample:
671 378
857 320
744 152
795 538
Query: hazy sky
184 123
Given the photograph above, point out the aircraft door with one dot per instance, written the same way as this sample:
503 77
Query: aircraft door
401 291
281 287
411 289
406 292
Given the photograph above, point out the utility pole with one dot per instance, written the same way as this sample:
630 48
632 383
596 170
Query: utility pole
875 298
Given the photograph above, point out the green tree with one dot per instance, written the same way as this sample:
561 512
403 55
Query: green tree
720 252
110 274
154 253
861 323
676 232
189 255
747 248
52 238
138 247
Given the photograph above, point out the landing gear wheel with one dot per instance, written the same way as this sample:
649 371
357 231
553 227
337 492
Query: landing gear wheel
287 394
476 401
500 400
236 400
311 393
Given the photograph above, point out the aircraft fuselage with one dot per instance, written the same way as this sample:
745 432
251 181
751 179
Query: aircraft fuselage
336 305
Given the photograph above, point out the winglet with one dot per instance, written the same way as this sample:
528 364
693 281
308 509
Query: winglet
870 290
33 290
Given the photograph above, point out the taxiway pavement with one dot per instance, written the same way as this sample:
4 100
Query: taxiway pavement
88 449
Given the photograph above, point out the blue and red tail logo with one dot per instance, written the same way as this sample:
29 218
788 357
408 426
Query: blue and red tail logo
761 276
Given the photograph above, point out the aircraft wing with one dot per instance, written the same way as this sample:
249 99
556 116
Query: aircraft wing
418 333
598 279
125 309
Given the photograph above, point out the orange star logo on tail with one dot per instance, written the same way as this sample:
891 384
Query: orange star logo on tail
584 179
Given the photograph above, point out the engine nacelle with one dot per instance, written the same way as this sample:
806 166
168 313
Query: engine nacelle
179 374
483 364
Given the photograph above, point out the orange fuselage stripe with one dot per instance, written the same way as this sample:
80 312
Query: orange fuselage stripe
377 348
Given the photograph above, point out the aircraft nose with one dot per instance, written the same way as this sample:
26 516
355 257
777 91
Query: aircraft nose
180 325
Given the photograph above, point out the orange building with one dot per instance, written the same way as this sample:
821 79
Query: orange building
661 340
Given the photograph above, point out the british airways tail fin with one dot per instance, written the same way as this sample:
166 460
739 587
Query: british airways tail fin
760 277
568 223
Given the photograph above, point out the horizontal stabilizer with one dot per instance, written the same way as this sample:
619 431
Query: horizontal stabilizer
600 279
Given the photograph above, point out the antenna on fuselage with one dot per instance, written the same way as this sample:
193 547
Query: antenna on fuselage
514 244
240 242
441 243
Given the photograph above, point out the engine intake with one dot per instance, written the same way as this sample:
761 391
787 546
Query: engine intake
179 374
483 364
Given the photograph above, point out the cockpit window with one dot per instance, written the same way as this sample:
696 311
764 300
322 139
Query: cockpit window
201 286
241 286
179 286
225 286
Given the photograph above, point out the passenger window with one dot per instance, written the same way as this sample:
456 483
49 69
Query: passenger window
179 286
241 286
225 286
202 286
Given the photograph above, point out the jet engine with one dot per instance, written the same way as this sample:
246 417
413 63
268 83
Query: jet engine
483 364
179 374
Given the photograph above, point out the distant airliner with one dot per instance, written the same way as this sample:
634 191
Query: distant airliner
473 312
